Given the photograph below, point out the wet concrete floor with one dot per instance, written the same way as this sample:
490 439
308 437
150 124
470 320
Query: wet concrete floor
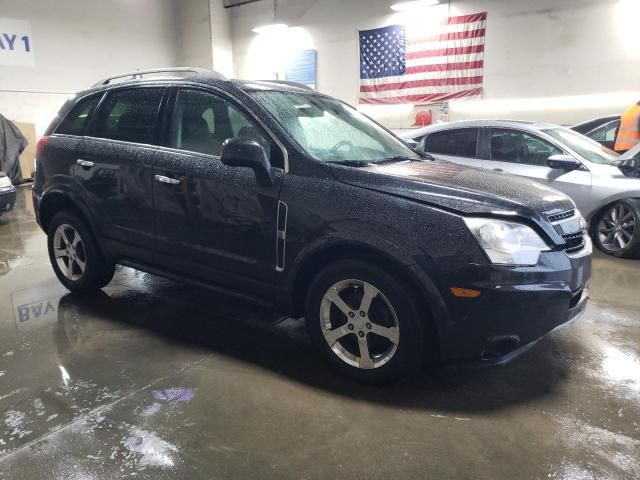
153 379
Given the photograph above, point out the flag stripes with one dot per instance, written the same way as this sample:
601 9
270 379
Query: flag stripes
401 66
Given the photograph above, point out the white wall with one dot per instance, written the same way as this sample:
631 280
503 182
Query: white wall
221 43
561 61
557 61
77 42
193 30
204 35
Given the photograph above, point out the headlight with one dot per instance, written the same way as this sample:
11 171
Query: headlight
507 243
5 182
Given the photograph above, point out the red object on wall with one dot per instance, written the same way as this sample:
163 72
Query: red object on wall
423 118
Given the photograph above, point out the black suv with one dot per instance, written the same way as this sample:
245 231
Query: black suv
287 196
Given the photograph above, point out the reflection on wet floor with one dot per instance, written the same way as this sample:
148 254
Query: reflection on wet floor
154 379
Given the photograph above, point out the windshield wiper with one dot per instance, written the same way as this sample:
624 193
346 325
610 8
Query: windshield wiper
395 159
402 158
381 161
351 163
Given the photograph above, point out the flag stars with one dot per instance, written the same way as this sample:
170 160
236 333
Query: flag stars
382 52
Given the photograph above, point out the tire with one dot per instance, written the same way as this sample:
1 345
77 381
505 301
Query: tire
75 255
617 230
392 328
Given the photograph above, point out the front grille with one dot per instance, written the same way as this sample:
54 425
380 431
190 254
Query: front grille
574 242
561 216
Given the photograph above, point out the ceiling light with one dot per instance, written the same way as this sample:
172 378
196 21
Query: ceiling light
272 27
414 5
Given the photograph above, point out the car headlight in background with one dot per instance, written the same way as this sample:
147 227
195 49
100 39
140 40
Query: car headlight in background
507 243
5 182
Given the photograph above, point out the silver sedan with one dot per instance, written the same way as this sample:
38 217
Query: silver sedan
605 190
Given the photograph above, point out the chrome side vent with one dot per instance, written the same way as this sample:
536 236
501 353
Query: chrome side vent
281 235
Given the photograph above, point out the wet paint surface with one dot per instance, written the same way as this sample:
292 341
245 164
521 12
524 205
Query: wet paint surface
153 379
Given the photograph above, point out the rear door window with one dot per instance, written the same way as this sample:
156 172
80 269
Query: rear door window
612 131
605 133
76 121
598 134
129 115
458 143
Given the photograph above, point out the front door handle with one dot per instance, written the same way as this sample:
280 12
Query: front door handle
498 170
85 163
167 180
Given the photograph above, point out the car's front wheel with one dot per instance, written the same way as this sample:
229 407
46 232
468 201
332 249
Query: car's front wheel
75 255
618 230
366 322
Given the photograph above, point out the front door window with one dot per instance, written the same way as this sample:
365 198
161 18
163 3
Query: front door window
518 147
201 122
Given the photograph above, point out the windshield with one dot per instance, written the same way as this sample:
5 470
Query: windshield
331 131
589 149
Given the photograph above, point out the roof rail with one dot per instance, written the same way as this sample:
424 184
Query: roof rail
289 83
201 72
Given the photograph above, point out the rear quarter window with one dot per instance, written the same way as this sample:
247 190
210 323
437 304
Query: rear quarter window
76 121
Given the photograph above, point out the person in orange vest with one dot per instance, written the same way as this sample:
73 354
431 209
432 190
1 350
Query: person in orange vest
629 132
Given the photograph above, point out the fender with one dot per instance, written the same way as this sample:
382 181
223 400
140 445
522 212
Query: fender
633 197
393 253
69 190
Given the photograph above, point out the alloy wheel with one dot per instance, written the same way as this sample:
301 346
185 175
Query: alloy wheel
616 228
69 252
359 324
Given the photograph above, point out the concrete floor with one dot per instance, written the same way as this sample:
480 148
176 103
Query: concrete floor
153 379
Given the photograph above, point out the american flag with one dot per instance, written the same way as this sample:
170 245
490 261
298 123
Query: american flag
400 66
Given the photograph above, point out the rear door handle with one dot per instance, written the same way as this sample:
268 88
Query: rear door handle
498 170
85 163
167 180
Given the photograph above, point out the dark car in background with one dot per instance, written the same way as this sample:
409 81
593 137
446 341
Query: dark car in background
603 130
7 194
289 197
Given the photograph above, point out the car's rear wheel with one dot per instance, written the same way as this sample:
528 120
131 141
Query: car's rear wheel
365 322
618 230
75 255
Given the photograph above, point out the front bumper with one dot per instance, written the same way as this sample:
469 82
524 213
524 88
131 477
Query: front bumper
516 308
497 356
7 199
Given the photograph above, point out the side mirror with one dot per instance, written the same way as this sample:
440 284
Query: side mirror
563 162
412 143
630 167
240 152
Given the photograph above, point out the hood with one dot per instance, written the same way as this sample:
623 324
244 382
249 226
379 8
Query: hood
464 190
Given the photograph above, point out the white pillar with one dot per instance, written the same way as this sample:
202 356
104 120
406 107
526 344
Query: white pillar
221 45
